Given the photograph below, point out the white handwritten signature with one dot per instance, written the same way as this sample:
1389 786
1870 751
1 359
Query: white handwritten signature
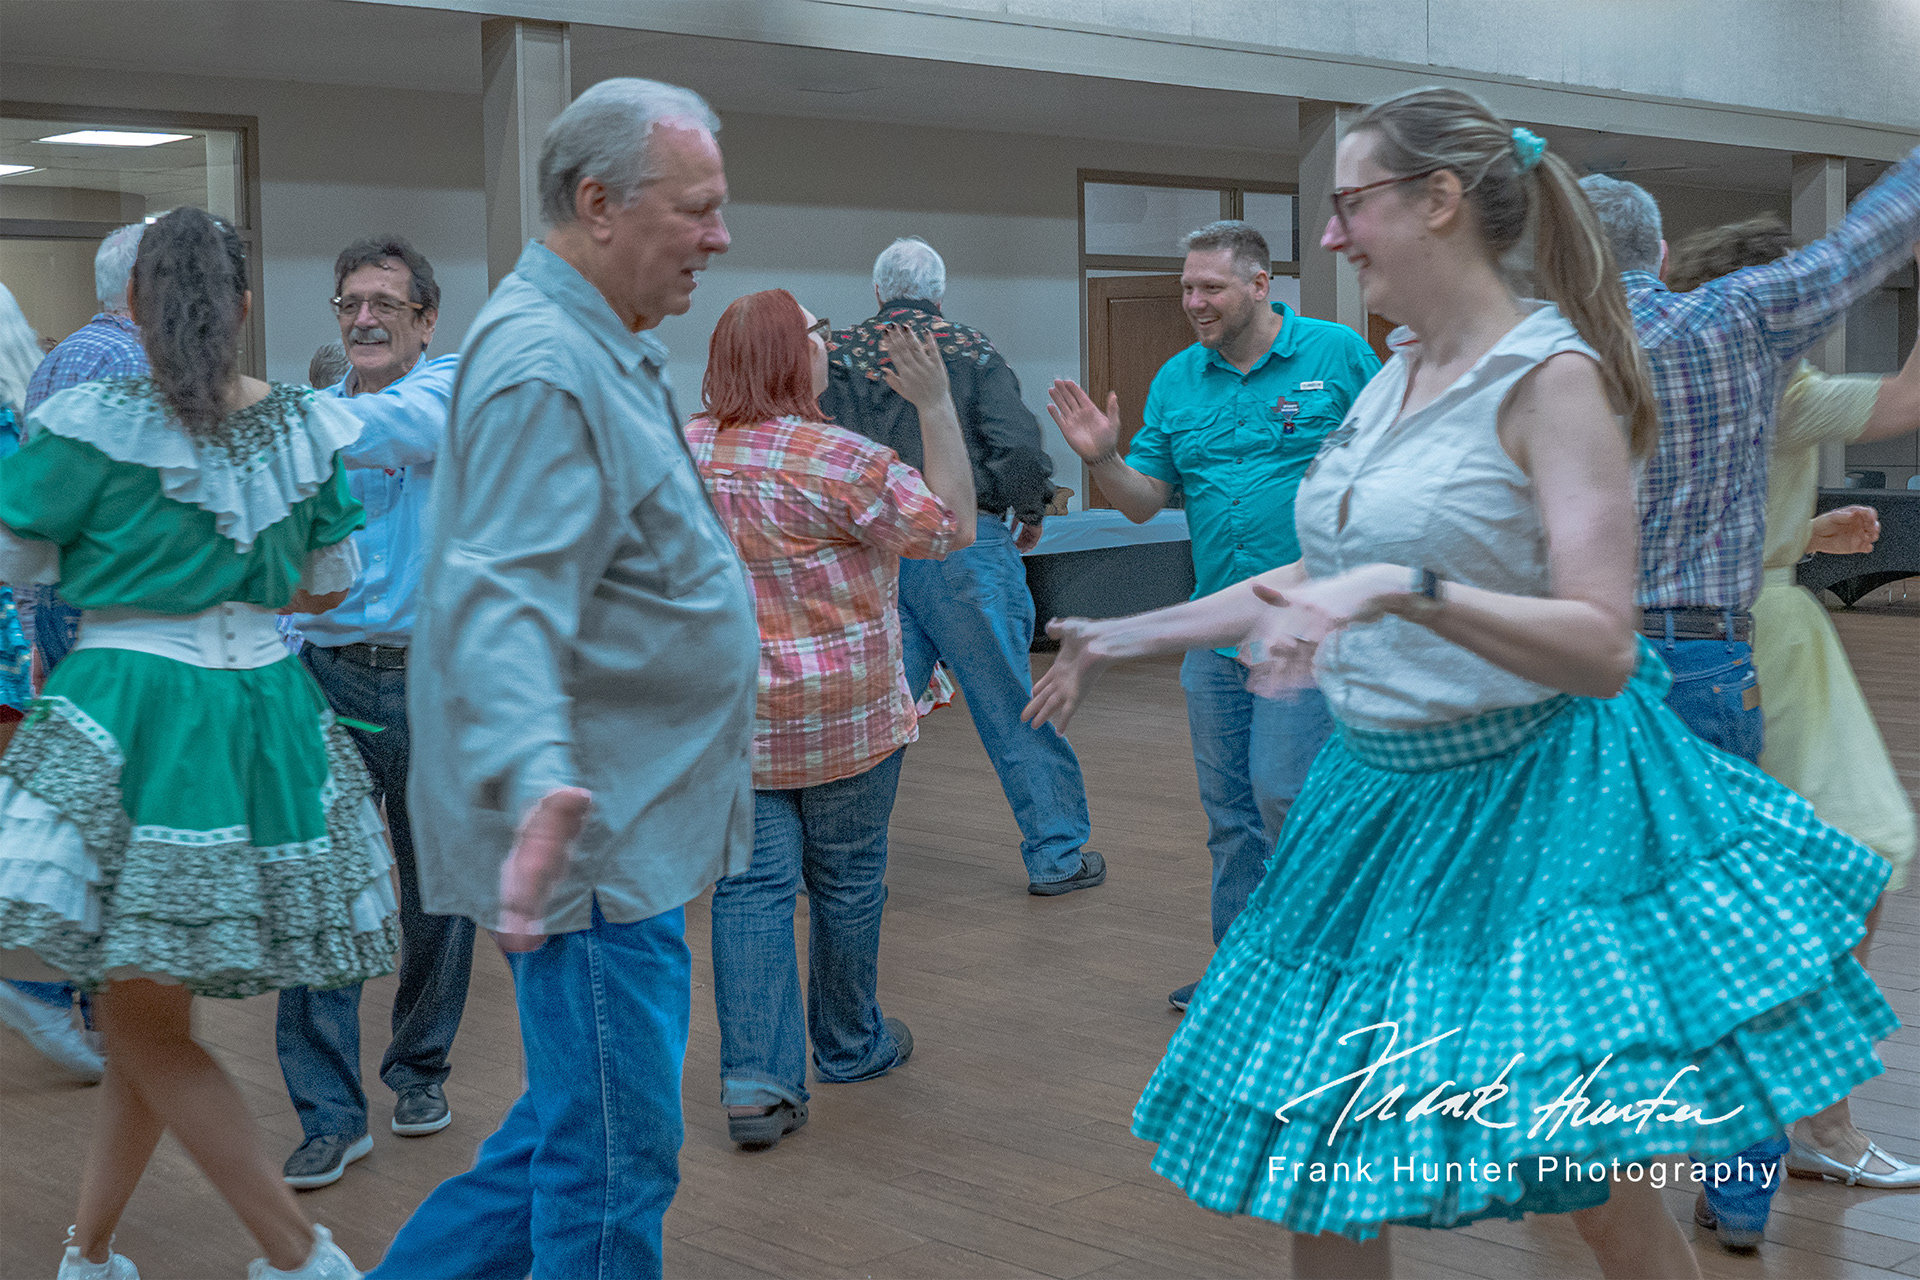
1573 1106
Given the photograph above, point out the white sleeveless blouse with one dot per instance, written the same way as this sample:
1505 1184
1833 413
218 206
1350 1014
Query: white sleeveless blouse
1432 490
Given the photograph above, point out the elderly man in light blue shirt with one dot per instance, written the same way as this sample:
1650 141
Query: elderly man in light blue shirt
387 302
582 695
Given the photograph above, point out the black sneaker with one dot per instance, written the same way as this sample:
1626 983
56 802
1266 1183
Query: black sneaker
320 1160
1181 997
759 1132
1093 871
902 1039
420 1109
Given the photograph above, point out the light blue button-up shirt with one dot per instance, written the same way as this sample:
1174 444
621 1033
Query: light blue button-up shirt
390 469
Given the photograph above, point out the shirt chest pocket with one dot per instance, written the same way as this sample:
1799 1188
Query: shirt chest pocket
677 543
1201 439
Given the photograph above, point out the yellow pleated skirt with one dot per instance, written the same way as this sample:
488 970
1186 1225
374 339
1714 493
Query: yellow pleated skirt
1821 740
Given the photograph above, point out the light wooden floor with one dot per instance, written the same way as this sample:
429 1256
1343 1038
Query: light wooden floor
1003 1149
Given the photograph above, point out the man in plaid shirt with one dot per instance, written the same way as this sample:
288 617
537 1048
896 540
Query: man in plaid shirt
1720 355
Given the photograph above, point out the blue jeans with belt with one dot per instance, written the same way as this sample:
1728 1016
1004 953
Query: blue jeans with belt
830 839
574 1183
974 610
1251 755
317 1033
1716 692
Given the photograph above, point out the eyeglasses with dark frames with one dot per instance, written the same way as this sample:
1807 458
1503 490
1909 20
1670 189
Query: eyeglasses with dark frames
821 328
1343 197
383 308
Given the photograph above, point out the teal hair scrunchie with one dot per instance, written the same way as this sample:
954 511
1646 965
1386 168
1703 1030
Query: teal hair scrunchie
1528 146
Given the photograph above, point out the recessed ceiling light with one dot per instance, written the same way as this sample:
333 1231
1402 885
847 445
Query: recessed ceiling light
8 170
113 138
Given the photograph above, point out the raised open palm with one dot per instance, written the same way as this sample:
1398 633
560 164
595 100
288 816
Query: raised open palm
1089 432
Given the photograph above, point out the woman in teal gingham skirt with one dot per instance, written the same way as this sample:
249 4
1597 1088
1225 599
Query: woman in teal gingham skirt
1524 939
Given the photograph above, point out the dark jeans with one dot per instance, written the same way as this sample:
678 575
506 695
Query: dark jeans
573 1184
832 839
974 610
318 1032
1712 683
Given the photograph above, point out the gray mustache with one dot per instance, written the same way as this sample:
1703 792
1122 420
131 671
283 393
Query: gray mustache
374 334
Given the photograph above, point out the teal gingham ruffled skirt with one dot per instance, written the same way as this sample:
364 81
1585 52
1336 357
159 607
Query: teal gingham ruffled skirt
1576 889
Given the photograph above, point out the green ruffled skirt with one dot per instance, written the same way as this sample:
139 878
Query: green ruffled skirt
1575 890
210 827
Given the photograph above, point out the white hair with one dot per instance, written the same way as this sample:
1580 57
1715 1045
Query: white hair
1630 218
605 134
113 265
909 268
20 354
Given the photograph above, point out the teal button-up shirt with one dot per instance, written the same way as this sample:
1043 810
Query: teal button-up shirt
1239 444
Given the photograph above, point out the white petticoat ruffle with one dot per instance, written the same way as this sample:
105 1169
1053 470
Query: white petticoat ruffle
244 496
330 569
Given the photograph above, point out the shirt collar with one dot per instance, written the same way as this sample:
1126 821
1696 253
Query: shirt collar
1631 280
554 276
898 305
1284 345
117 322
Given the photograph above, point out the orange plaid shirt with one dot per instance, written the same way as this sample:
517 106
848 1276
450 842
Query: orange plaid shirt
822 516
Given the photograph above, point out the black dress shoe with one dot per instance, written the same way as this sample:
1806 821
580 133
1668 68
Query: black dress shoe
1093 871
902 1039
1181 997
759 1132
419 1110
320 1160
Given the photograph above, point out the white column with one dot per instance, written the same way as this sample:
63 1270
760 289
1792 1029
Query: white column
1329 289
526 80
1819 203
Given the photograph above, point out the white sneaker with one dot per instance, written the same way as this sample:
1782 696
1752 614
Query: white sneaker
75 1267
328 1261
51 1031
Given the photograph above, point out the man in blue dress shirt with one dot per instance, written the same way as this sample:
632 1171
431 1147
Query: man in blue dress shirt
1232 422
387 303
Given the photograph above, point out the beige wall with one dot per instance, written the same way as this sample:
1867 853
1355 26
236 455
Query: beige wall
53 282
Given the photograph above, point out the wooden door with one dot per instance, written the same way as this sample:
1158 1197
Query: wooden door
1135 324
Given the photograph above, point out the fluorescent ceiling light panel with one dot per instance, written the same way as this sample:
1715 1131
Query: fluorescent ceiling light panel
113 138
8 170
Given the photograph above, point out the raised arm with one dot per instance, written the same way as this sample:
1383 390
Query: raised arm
919 376
402 424
1013 455
1095 436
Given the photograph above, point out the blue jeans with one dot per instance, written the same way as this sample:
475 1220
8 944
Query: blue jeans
573 1184
832 838
317 1033
1712 680
1251 755
974 610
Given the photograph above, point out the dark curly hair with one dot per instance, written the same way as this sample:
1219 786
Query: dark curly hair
189 285
1718 251
421 286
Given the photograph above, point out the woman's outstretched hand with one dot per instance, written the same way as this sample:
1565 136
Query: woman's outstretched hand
1279 651
538 860
919 373
1058 691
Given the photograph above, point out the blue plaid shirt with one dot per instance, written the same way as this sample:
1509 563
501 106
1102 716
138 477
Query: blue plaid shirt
1720 356
107 346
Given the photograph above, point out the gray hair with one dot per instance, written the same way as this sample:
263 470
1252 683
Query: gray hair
606 134
328 366
1241 239
19 355
1630 218
113 265
910 268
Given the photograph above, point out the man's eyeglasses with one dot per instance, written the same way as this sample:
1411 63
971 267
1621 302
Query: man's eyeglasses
1343 197
383 308
821 329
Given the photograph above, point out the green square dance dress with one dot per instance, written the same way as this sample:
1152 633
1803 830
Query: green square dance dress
1500 920
179 804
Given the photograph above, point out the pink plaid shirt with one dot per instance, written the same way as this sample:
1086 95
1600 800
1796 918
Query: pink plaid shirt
821 517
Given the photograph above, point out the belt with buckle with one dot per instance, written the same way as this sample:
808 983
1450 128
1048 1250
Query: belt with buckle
1697 624
381 657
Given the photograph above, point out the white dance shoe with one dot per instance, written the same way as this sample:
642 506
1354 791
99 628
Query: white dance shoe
328 1261
1804 1162
50 1030
74 1266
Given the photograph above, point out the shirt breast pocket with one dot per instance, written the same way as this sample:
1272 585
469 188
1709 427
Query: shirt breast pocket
680 544
1198 441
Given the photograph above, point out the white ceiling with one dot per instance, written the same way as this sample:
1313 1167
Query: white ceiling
336 42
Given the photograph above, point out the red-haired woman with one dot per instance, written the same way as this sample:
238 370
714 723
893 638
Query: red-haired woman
821 517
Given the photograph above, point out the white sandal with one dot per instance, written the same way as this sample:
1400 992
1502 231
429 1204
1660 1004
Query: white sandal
1805 1162
75 1266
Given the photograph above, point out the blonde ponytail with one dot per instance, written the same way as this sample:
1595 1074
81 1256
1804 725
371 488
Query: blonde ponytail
1425 130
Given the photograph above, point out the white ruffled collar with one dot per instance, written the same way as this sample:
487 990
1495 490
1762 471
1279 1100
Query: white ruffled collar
279 451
